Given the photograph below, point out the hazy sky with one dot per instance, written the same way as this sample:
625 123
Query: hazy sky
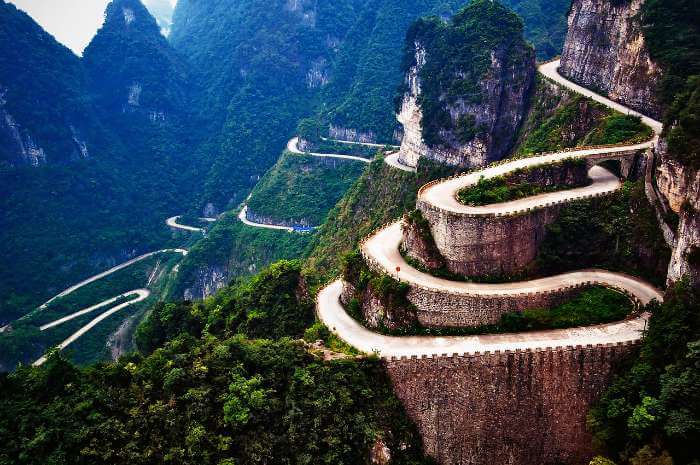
71 22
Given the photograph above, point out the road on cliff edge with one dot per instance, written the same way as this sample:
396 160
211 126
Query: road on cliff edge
173 223
293 146
393 160
333 315
243 216
444 194
551 70
99 276
383 249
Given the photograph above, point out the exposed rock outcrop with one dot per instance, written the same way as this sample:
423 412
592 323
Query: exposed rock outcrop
465 109
379 311
350 134
680 187
418 242
605 50
208 280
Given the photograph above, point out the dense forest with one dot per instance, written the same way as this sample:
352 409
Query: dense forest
208 394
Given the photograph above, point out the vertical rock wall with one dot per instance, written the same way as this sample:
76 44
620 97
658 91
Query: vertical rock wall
605 50
498 114
680 187
522 408
410 116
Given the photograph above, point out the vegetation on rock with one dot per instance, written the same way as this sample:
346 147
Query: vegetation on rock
301 189
557 120
458 56
597 305
650 413
516 185
672 33
618 232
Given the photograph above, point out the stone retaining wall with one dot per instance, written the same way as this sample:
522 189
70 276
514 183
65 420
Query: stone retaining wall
443 309
487 245
491 245
515 408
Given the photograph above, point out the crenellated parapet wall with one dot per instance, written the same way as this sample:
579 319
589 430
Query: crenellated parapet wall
437 307
492 243
517 408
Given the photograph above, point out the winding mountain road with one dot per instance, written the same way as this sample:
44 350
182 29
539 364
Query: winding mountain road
293 146
334 316
243 216
551 70
141 295
112 270
382 251
393 160
173 223
444 194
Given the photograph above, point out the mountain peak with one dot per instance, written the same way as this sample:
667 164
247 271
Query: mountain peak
128 15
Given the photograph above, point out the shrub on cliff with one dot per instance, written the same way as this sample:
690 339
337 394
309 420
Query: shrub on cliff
650 413
672 32
271 304
458 55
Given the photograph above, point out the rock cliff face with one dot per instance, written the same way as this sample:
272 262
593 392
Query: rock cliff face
349 134
208 280
465 108
418 242
680 187
605 50
378 311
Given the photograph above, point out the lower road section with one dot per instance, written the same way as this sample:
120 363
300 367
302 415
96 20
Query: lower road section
140 296
334 316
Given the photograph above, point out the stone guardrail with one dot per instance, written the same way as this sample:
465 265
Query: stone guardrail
378 267
505 161
428 206
456 357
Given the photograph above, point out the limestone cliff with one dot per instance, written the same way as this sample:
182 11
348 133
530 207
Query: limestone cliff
466 86
605 50
680 187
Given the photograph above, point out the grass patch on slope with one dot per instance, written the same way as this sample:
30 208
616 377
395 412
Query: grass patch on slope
560 119
382 194
302 188
235 249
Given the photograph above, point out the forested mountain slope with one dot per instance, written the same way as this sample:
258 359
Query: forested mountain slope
263 67
44 114
119 116
154 128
